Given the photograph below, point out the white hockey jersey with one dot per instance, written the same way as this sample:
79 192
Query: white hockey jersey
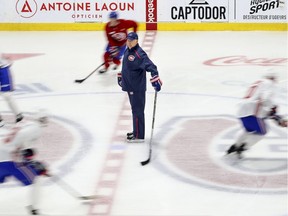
259 99
21 136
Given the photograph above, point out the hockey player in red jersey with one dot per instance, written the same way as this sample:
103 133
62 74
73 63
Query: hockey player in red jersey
116 32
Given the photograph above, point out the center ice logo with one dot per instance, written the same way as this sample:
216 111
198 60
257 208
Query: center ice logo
195 155
26 8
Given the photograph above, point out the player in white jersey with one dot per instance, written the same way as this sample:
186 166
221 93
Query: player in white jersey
6 87
257 106
17 157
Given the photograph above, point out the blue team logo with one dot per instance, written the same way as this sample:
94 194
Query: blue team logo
131 58
198 157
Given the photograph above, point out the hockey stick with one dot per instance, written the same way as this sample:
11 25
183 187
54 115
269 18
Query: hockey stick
82 80
69 189
143 163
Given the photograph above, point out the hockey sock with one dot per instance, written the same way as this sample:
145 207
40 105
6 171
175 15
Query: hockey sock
11 102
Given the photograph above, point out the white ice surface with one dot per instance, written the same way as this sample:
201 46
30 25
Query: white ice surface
191 91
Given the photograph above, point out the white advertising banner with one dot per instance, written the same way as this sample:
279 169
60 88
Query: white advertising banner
149 11
268 11
61 11
193 11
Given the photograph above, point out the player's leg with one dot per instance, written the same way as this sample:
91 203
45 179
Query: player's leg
118 57
12 105
137 101
130 134
107 59
6 91
1 121
255 129
33 193
28 177
3 171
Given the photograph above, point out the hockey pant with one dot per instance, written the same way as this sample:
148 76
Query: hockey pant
255 129
115 58
6 83
25 174
6 86
137 101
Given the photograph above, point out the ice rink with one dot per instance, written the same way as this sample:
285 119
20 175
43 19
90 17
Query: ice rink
204 74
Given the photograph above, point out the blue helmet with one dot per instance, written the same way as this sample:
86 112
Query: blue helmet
113 15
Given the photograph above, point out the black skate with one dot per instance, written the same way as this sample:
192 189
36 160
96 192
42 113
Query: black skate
115 67
232 149
133 139
19 117
240 150
130 134
103 70
1 122
32 211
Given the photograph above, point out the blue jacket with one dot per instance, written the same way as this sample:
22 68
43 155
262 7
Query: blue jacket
134 67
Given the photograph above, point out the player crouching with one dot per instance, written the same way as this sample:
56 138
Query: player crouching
26 171
17 156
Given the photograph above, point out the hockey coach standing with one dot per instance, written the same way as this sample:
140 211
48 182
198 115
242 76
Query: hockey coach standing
133 80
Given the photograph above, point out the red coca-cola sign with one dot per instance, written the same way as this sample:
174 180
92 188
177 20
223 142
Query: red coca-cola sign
241 60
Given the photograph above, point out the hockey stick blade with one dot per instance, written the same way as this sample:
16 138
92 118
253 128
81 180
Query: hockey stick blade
79 81
88 197
82 80
143 163
70 190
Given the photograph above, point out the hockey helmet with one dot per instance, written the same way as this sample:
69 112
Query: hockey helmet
271 73
113 15
28 154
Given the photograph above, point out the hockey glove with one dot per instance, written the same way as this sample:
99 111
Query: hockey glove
119 79
279 120
113 50
273 111
28 160
156 83
38 167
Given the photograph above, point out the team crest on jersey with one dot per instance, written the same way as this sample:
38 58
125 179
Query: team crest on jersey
131 58
119 36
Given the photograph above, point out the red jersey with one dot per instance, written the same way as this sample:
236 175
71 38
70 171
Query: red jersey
117 35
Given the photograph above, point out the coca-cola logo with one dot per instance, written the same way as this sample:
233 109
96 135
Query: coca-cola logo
241 60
